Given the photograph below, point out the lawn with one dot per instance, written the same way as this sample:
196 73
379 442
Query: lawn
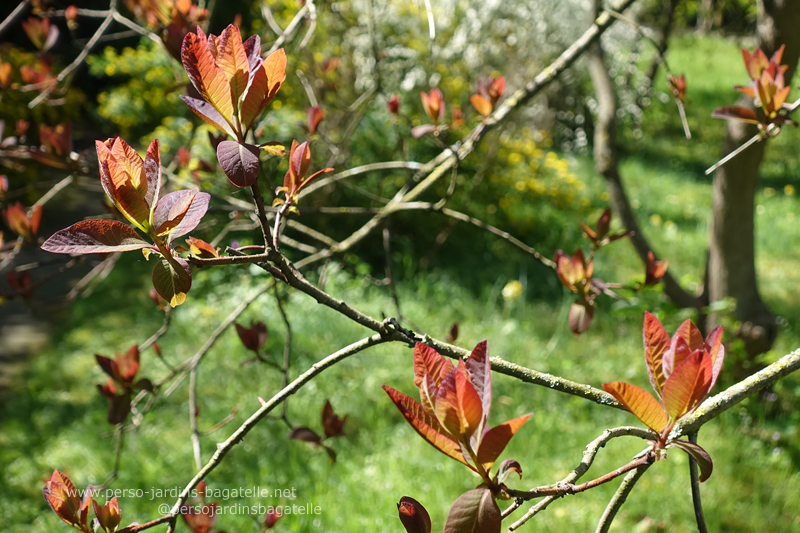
56 418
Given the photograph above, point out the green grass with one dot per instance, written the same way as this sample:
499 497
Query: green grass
56 418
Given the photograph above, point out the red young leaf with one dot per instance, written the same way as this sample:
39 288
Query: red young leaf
656 344
265 80
475 511
255 337
426 425
414 516
713 345
479 369
108 515
496 439
677 353
152 172
201 518
239 161
692 335
428 361
506 467
94 236
64 499
639 402
457 404
688 385
171 211
331 423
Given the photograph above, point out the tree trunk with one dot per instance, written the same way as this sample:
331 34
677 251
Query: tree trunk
731 269
606 164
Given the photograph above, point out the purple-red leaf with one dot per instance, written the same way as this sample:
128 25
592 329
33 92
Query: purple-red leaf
305 434
413 515
94 236
506 467
331 422
697 453
179 212
479 369
239 162
207 112
735 112
475 511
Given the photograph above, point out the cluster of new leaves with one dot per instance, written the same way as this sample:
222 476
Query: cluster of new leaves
236 84
73 506
172 19
484 101
23 222
768 89
332 425
295 179
121 383
576 273
134 187
682 371
489 92
201 516
452 416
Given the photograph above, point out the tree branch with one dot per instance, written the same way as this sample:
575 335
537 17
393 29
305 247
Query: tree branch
619 498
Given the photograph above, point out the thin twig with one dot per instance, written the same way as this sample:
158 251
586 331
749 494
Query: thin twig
586 462
619 497
78 60
287 353
12 17
695 481
224 447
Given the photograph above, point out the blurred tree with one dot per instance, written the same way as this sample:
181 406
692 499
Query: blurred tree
731 265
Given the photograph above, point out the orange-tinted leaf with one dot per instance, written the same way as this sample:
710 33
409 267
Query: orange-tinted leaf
426 425
414 516
496 439
94 236
474 511
207 77
314 117
688 385
481 104
639 402
200 248
152 172
428 361
264 83
678 351
457 404
692 335
656 344
108 515
232 59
